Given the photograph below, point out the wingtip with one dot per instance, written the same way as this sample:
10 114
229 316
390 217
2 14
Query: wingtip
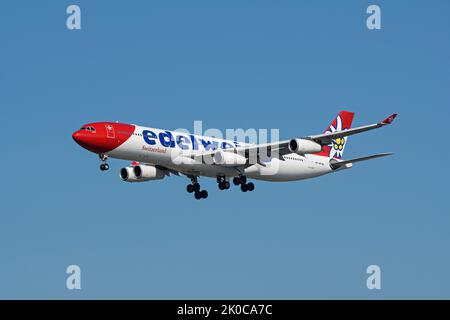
389 119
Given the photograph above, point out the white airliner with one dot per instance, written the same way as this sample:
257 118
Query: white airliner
157 153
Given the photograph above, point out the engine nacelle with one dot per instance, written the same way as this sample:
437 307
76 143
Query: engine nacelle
127 174
229 159
146 172
303 146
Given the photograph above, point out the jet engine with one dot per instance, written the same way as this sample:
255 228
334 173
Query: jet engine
303 146
147 172
127 174
229 159
141 173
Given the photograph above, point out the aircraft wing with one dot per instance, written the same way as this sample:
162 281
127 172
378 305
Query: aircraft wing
322 139
326 138
266 150
280 148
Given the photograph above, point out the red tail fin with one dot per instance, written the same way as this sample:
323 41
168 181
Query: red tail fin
336 148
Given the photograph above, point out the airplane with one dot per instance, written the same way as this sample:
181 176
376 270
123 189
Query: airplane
156 153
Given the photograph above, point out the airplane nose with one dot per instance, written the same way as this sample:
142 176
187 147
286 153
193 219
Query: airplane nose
102 137
76 136
95 142
82 139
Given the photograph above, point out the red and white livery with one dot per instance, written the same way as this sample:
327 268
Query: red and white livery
157 153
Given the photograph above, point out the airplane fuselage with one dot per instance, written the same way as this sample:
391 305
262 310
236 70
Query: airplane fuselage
166 148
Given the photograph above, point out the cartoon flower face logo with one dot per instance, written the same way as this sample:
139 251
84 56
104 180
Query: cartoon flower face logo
337 145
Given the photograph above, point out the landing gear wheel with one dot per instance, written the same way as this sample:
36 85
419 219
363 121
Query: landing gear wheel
250 186
197 195
244 188
190 188
224 185
196 187
243 180
236 181
204 194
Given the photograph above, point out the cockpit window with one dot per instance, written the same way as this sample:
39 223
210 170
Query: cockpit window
91 129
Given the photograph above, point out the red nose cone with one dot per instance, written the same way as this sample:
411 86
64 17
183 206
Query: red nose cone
102 137
76 137
91 141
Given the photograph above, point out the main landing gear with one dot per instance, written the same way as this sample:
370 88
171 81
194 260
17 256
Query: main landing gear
104 166
223 183
242 180
194 187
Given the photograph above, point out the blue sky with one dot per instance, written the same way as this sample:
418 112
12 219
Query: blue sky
290 65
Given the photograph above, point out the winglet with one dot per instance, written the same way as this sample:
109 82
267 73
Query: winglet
389 119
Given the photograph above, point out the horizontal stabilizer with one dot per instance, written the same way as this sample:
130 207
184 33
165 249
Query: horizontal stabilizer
334 164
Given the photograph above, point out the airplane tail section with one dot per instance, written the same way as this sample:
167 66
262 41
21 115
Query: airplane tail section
335 149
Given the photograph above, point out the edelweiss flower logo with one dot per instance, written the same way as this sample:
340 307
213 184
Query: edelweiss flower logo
337 145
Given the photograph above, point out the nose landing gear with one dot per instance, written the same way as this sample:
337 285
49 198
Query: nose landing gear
104 166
